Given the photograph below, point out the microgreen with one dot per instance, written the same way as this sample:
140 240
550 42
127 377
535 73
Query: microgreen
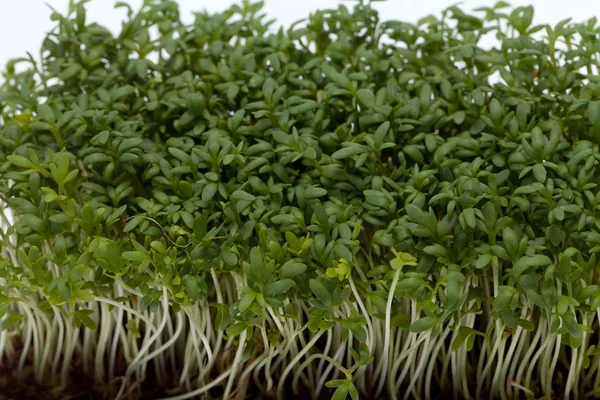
346 207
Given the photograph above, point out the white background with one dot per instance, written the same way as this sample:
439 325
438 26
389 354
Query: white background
23 23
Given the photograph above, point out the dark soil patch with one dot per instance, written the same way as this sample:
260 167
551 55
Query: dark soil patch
82 387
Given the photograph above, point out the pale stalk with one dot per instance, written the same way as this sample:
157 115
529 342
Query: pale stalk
386 340
294 362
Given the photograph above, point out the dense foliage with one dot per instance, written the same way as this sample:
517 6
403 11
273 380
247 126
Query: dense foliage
347 206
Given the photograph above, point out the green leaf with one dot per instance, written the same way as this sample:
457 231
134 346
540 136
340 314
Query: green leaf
461 337
199 228
335 383
70 72
129 144
70 176
20 161
96 158
469 215
60 218
291 269
436 250
46 112
278 287
180 155
556 235
366 97
192 289
256 261
340 393
133 223
525 324
495 110
314 192
209 191
196 103
539 172
572 325
123 91
346 152
322 216
382 132
63 165
83 317
423 324
409 284
352 391
502 300
83 295
417 215
483 261
459 117
246 301
134 255
320 291
593 112
236 328
229 257
305 107
132 328
35 223
538 260
240 195
64 290
510 239
292 241
335 173
336 77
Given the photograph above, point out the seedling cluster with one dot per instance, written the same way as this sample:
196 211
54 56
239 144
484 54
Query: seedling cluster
347 207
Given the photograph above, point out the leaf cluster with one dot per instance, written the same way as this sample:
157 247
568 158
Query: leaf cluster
345 148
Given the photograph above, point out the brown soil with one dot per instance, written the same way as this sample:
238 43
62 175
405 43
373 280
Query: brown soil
26 388
84 388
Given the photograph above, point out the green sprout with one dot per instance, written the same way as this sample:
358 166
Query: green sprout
340 270
401 260
349 207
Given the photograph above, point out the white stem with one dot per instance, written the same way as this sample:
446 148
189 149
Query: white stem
136 361
147 321
325 351
545 344
572 372
424 357
294 361
497 343
553 366
72 334
386 340
195 325
46 341
527 357
167 344
362 307
432 362
237 361
28 338
36 341
3 335
115 342
201 390
105 325
328 370
184 378
409 357
59 344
